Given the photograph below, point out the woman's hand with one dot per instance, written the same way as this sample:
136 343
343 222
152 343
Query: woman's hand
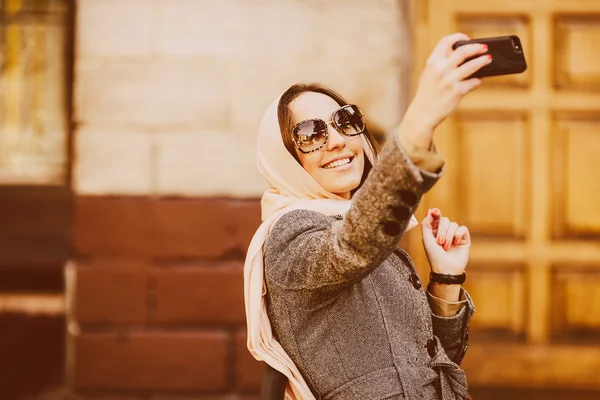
442 85
446 244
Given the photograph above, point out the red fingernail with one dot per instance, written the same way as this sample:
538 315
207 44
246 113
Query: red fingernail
485 47
489 56
446 246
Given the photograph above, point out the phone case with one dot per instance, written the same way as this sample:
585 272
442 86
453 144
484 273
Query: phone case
507 56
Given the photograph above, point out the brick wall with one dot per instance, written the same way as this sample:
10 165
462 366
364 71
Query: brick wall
168 97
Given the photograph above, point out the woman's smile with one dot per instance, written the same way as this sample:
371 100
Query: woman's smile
341 163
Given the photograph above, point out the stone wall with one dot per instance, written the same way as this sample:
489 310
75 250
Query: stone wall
168 98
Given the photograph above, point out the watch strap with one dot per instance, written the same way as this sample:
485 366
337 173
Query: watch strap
448 279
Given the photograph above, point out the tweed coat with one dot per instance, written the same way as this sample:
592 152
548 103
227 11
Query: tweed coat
347 305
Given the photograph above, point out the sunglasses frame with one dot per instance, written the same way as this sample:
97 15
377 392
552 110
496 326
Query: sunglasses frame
327 123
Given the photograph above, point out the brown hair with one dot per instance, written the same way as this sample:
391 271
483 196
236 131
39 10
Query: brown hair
286 121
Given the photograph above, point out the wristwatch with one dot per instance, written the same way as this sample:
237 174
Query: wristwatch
447 279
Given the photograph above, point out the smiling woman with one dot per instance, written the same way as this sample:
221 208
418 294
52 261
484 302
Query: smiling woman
332 302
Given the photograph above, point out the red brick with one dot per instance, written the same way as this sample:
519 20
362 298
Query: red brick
107 292
170 228
248 371
204 294
149 360
113 226
191 228
32 352
244 218
36 226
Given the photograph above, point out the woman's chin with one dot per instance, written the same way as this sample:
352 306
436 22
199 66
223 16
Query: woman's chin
350 186
341 181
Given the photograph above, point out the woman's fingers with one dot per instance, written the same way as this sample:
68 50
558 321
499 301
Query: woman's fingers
470 67
443 230
462 236
449 238
444 46
427 230
428 220
461 54
436 216
469 85
446 232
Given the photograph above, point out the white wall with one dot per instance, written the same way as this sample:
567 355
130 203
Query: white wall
169 93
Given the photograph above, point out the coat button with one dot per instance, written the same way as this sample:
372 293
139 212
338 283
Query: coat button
391 228
414 279
431 347
408 196
401 213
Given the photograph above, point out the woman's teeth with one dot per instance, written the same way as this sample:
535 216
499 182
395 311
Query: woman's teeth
337 163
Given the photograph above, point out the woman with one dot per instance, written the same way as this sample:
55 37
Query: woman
331 301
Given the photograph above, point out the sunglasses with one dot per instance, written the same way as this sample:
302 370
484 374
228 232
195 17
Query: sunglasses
312 134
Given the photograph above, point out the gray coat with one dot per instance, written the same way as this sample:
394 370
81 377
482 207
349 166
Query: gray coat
347 305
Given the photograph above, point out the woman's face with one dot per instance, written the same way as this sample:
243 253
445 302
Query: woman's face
346 150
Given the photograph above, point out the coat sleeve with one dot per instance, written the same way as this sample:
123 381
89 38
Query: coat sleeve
445 308
305 251
453 331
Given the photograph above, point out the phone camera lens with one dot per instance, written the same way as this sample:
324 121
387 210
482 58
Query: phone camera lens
516 44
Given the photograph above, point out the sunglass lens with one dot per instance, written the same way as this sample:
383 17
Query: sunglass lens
349 120
310 135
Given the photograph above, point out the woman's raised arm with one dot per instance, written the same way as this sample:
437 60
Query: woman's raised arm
308 251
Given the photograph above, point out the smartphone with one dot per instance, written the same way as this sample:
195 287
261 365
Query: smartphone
507 56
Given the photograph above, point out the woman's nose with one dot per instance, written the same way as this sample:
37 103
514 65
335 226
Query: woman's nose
336 139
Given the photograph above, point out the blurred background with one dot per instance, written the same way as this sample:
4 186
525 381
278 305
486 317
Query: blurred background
129 192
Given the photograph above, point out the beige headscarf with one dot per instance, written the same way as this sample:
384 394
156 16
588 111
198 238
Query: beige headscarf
291 187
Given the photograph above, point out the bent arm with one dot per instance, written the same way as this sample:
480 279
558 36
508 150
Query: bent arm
453 331
306 251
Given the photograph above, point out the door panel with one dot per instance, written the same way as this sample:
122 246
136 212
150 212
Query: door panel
577 37
576 306
576 176
521 173
499 295
493 165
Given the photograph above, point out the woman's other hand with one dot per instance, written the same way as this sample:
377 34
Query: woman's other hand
442 86
446 243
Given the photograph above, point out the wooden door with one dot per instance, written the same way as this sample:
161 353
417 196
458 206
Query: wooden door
523 173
